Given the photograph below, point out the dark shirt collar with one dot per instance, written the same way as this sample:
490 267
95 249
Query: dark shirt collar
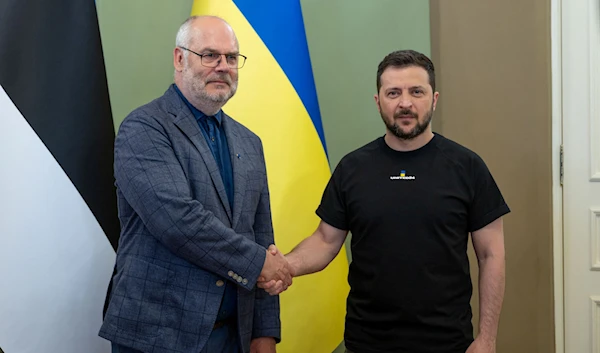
197 113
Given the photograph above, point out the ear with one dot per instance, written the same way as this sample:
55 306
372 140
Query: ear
178 59
436 95
377 102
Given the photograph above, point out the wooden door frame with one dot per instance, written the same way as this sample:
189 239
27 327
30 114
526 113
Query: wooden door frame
557 190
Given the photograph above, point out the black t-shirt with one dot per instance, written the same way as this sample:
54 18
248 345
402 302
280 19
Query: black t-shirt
410 214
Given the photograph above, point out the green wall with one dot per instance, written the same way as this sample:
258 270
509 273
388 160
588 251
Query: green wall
347 39
138 37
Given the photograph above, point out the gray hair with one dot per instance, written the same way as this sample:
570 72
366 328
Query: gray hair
183 37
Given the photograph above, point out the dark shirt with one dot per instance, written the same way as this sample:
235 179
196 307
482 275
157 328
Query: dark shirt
213 132
410 214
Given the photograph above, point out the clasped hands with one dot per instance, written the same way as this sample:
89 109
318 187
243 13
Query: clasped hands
276 275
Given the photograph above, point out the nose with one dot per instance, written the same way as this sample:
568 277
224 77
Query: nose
405 102
222 64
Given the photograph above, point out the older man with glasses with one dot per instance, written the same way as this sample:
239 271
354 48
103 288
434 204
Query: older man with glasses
195 215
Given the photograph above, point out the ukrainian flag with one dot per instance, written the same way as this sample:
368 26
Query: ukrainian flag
277 100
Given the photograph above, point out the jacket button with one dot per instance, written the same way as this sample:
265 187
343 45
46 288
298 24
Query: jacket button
220 283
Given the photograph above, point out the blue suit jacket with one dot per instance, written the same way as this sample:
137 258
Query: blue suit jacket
179 238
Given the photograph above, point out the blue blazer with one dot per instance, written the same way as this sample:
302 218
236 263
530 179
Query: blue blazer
179 238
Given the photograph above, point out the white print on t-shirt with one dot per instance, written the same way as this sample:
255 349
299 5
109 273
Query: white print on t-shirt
402 176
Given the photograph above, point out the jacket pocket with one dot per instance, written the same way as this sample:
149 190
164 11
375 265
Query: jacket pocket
138 297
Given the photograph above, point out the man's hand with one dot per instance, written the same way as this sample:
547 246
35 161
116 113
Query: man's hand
482 346
276 272
312 255
263 345
276 285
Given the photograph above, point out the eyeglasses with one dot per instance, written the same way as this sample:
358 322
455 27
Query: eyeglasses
234 61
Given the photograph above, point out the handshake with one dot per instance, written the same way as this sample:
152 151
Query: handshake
276 275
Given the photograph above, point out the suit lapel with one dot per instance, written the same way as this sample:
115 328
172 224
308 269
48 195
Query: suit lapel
238 160
189 126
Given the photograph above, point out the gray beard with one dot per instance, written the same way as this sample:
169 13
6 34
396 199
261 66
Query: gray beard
198 89
218 98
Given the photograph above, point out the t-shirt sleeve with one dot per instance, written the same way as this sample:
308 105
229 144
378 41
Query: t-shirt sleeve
332 209
487 204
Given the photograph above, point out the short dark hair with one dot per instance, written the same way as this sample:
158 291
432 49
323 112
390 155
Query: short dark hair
405 58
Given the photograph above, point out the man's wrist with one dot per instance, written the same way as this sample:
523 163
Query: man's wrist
487 338
294 262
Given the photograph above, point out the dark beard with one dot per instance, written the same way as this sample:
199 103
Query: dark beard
416 131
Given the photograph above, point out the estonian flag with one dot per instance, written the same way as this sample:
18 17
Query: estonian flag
58 214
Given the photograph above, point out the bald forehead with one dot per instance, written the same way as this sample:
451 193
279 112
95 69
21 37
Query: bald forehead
213 33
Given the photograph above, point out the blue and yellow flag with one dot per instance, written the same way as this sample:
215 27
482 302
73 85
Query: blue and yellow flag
277 100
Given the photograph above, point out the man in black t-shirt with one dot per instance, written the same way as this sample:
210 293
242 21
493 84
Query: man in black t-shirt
410 199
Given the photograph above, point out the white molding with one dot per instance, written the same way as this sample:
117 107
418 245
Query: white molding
594 46
595 237
595 324
557 192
